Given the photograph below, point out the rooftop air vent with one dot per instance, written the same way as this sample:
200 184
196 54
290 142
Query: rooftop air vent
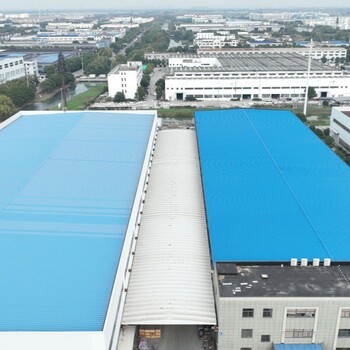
327 262
316 262
303 262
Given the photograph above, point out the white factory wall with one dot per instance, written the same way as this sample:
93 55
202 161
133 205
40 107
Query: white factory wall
11 68
224 88
324 325
126 81
31 67
340 126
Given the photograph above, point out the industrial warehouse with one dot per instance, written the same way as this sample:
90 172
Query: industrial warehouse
117 233
246 76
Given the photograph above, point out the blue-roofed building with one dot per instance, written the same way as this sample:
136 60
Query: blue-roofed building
277 202
46 60
270 182
71 189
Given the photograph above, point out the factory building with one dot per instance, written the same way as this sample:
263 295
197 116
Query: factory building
246 76
340 126
318 52
72 189
279 242
11 67
237 229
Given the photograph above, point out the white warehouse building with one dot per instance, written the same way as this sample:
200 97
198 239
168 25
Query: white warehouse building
125 78
11 67
318 52
213 40
263 76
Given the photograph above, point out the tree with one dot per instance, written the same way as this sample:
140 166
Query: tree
301 116
62 70
149 69
311 92
107 52
19 91
160 88
145 81
119 59
7 108
190 98
119 97
324 59
141 93
99 65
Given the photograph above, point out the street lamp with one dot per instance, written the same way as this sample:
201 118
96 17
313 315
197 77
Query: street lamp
307 79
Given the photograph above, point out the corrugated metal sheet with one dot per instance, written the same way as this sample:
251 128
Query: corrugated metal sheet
67 185
273 190
171 280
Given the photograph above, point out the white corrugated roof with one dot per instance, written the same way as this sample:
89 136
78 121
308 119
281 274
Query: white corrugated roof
171 275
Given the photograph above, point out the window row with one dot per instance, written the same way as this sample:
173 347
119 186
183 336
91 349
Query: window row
289 333
250 313
248 333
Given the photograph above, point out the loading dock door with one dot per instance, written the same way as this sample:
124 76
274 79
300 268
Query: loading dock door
179 96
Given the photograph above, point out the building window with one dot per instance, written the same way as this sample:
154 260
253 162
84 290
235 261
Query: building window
250 349
265 338
298 333
246 333
267 313
345 313
344 333
248 313
301 312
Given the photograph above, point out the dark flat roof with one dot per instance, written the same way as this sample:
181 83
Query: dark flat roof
286 281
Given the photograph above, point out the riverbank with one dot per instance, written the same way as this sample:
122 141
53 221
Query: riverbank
83 100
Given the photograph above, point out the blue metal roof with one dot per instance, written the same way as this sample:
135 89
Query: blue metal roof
67 185
273 190
298 346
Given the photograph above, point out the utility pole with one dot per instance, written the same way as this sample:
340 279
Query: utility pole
307 80
61 66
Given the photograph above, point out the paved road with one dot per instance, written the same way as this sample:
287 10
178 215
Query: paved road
158 73
180 338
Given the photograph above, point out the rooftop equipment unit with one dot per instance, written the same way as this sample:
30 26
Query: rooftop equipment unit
327 262
303 262
294 262
316 262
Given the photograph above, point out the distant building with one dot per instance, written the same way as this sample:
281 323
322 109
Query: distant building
340 126
331 52
125 78
213 40
31 66
48 60
11 67
251 76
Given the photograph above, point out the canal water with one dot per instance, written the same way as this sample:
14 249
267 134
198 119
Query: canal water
55 100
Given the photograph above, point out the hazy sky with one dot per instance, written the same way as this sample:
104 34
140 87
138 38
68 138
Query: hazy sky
156 4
